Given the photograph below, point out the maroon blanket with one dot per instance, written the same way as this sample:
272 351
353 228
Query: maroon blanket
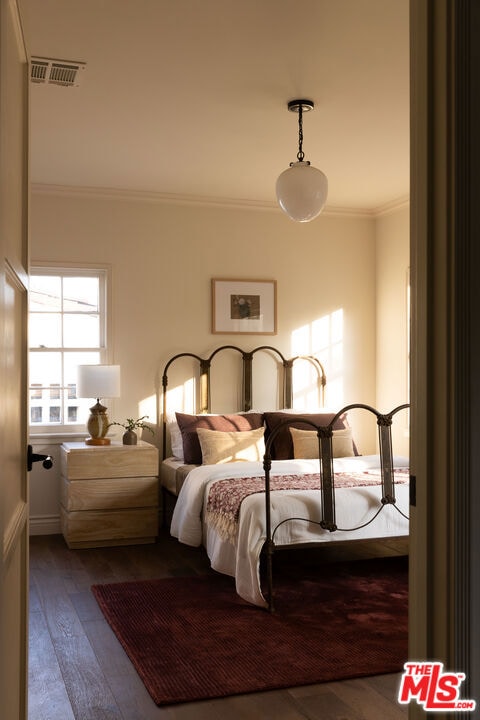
225 496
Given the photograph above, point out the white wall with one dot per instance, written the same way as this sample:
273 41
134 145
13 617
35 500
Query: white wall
163 258
392 258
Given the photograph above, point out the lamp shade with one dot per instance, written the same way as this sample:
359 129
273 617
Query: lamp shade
302 191
98 381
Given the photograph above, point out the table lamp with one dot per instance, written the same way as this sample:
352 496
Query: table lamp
98 381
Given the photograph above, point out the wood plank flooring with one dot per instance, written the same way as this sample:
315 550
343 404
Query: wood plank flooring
79 671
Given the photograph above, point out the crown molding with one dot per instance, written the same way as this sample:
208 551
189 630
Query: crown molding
200 200
392 206
147 196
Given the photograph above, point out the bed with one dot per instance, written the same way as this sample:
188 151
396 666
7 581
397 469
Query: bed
253 482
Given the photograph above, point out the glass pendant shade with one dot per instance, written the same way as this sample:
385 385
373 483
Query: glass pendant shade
302 191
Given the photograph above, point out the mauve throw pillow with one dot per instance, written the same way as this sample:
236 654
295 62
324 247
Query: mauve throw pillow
188 425
282 445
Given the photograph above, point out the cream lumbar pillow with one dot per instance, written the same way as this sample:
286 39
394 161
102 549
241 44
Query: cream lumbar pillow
305 443
223 447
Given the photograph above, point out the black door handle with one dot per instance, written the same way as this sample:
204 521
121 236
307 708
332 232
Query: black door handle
46 460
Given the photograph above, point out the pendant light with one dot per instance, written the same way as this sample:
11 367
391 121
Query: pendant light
301 189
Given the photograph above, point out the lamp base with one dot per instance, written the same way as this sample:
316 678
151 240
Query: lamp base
98 425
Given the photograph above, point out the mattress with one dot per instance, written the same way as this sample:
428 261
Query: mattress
355 506
173 473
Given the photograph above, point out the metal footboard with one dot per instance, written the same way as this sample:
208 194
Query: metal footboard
327 479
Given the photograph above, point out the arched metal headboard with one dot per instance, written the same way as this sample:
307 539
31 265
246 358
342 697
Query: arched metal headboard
247 378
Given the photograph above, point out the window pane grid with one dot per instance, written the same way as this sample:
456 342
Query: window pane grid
66 409
77 300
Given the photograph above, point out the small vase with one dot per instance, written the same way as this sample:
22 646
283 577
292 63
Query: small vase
129 437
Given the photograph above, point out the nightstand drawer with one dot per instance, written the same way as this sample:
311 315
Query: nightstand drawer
92 528
109 494
80 462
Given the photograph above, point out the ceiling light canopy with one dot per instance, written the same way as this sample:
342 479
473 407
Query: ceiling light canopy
301 189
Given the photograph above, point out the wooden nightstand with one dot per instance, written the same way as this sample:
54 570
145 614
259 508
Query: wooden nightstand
109 494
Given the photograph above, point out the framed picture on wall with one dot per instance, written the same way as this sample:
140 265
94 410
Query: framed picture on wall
247 307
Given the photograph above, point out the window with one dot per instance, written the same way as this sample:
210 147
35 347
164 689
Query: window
55 391
35 414
35 391
67 327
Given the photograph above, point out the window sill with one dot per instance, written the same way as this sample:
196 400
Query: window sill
55 438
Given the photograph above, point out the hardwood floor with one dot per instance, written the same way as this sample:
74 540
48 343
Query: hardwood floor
79 671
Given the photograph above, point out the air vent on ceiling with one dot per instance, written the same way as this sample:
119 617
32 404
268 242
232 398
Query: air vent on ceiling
56 72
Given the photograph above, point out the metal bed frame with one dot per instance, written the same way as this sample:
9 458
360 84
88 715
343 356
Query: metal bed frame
325 435
327 481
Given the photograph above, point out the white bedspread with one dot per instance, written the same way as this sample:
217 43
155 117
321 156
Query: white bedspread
354 507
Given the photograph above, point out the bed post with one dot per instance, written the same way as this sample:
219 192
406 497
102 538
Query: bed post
288 383
205 386
164 442
325 435
164 415
247 381
269 544
384 423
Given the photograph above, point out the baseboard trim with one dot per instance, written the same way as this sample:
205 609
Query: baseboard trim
45 525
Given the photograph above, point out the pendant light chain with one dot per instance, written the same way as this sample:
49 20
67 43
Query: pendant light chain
300 154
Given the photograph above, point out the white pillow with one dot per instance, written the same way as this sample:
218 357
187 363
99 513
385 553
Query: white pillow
305 443
176 440
223 447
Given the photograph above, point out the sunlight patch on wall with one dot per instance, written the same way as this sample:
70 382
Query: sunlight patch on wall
182 397
322 338
148 407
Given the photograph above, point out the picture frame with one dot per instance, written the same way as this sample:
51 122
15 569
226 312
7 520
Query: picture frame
244 307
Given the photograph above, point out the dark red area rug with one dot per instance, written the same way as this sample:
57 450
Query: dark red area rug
194 638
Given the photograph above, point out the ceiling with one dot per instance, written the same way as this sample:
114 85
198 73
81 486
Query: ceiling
188 98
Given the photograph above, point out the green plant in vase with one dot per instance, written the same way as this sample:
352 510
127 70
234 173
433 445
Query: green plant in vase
130 426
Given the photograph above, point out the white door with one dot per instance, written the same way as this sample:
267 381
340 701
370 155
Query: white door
13 363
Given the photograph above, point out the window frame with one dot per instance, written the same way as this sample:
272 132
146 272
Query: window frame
103 273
